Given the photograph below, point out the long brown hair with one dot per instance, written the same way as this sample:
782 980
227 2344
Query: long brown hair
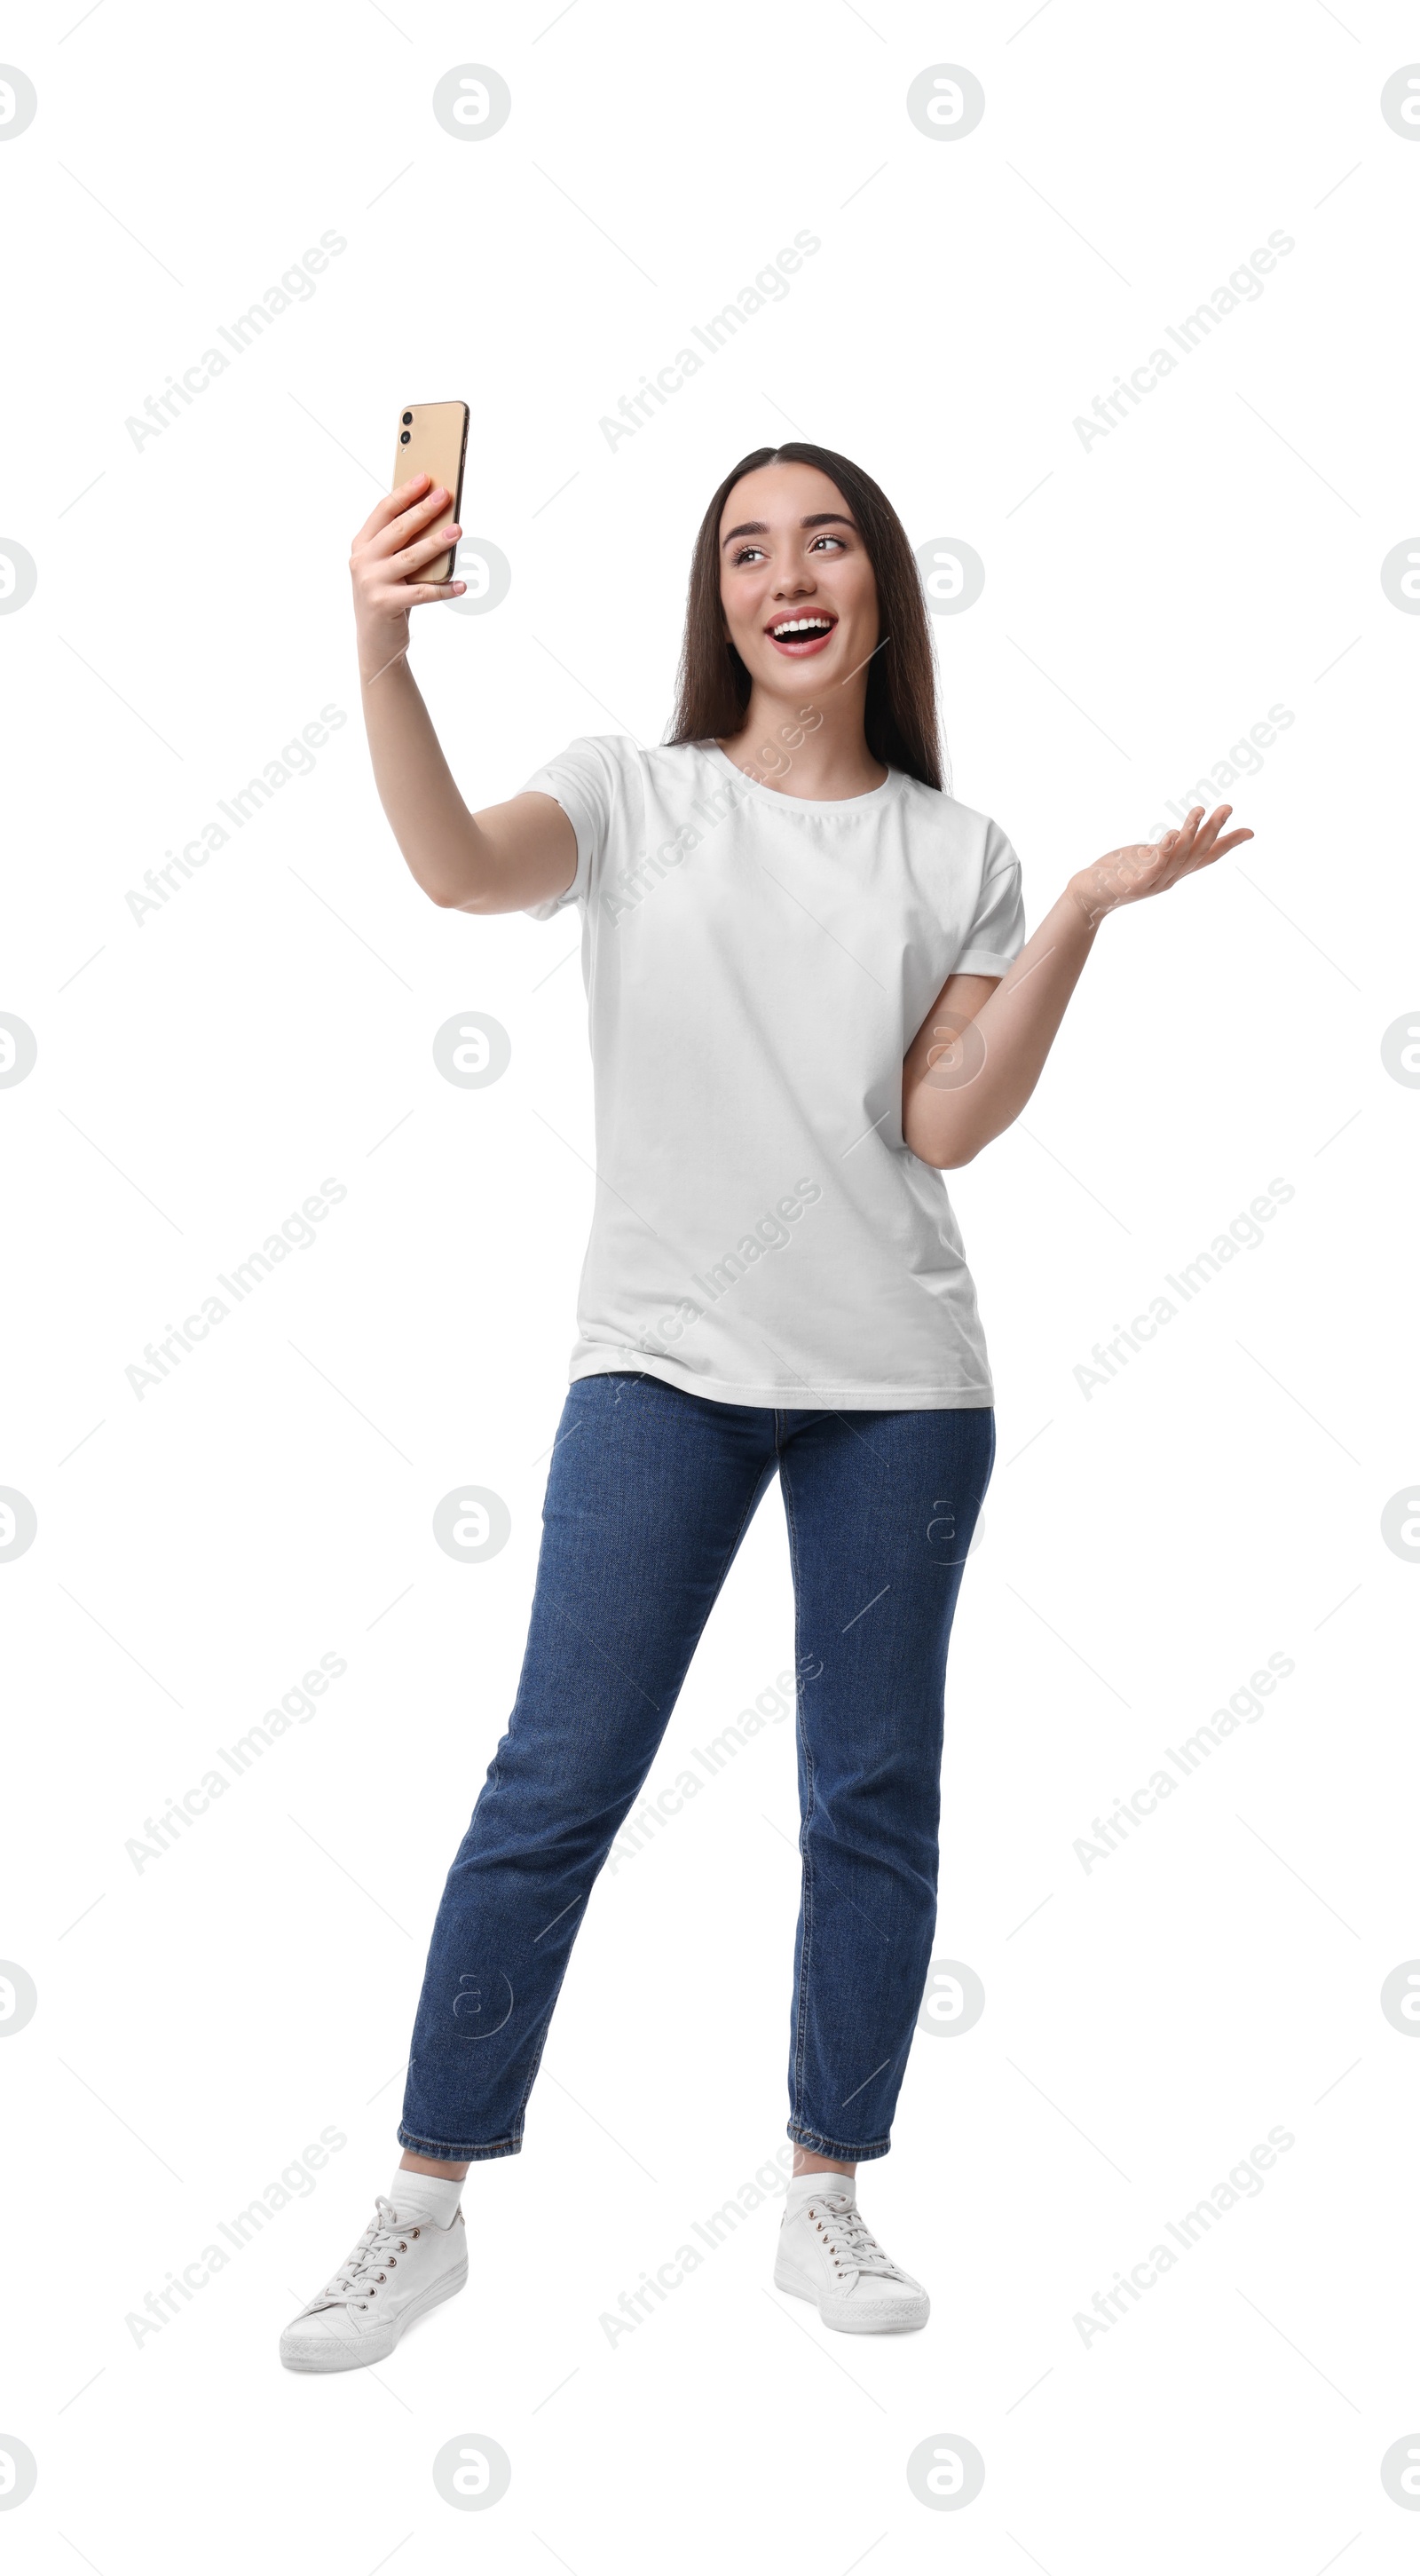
900 717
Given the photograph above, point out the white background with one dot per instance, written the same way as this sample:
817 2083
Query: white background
1146 1547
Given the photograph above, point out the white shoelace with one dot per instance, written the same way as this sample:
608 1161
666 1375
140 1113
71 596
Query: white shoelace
359 2276
851 2241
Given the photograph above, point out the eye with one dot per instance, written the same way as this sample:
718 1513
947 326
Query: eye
827 540
743 554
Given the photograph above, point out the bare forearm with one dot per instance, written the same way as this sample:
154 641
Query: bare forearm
436 832
975 1062
968 1079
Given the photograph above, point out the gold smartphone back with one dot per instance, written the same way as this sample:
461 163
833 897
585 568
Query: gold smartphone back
432 439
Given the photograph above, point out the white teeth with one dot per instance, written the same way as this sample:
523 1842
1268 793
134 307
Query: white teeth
803 626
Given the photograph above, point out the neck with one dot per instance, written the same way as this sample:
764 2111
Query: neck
830 762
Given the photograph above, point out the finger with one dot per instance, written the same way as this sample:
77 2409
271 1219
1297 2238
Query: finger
1206 845
419 593
411 523
390 505
437 542
1220 849
1171 853
1191 853
408 523
1188 828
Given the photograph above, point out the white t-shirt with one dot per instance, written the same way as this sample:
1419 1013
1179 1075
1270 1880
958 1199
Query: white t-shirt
756 966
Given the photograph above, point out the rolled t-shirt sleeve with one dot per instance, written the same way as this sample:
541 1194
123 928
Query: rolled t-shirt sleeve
584 780
998 930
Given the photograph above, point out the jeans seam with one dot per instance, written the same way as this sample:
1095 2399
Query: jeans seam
856 2150
444 2151
520 2113
750 1509
806 1887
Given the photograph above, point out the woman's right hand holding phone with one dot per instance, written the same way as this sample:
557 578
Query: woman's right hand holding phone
402 534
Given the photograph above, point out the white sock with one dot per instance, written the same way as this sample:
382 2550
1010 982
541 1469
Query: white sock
425 2198
807 2186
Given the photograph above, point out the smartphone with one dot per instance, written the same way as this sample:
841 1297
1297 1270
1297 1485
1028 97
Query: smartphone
432 440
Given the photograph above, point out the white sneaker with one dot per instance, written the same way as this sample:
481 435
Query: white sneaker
399 2270
828 2253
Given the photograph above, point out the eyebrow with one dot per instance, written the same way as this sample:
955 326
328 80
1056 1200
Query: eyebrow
816 519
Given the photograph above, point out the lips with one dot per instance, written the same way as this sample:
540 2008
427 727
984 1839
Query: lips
798 637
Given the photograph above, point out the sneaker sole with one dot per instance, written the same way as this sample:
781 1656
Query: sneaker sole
327 2356
885 2320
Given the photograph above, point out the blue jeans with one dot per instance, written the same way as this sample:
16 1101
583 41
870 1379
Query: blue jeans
649 1495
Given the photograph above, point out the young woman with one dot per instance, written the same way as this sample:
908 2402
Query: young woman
810 994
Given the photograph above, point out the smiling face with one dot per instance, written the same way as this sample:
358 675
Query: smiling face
796 584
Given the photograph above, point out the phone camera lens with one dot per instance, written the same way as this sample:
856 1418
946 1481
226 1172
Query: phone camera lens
406 417
404 438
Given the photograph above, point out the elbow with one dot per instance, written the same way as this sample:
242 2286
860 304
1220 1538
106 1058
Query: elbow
941 1141
469 898
941 1157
